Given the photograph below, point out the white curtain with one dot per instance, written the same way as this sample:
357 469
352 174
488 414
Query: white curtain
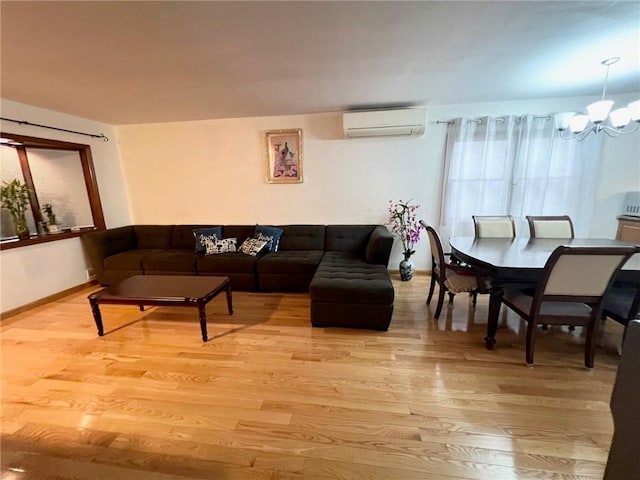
516 166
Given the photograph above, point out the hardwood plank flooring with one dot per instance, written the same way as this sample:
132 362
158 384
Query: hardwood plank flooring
270 397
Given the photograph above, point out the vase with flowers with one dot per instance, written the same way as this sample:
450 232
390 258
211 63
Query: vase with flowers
404 223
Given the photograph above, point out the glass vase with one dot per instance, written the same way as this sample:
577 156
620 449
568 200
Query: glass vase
22 230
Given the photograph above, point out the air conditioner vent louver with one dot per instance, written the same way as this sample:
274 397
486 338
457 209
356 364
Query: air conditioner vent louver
407 122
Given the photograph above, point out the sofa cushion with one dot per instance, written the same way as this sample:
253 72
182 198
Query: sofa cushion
227 263
302 237
379 246
201 235
348 238
153 236
269 234
129 260
290 262
240 232
170 261
346 278
182 236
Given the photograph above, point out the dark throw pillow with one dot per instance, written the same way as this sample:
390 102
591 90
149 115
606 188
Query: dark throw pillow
202 234
269 234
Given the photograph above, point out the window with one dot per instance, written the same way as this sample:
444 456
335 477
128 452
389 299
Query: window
516 166
57 173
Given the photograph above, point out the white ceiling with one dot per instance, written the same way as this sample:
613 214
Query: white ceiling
139 62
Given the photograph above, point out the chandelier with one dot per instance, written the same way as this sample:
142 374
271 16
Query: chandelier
599 116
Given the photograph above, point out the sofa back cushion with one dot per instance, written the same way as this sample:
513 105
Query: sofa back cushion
153 236
182 236
302 237
240 232
348 238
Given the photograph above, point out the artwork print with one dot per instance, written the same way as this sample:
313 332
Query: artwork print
284 155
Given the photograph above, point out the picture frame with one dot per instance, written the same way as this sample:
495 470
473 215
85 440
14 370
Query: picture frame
284 155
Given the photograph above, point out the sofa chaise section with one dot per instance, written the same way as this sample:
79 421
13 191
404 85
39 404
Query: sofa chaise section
351 288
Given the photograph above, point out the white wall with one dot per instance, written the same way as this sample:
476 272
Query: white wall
30 273
214 171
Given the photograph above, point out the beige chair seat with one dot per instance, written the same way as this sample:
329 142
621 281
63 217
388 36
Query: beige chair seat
460 283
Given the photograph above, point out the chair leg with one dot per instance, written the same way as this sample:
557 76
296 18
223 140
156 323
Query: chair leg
451 295
545 327
440 301
590 343
475 297
431 287
530 342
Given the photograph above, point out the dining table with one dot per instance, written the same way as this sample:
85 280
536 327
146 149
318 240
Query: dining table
520 261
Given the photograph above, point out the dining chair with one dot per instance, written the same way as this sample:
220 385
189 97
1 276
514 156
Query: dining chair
622 304
494 226
559 226
570 292
452 277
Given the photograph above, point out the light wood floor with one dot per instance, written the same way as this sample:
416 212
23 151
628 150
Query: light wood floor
268 396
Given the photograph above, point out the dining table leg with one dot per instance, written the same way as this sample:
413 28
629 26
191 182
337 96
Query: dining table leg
495 300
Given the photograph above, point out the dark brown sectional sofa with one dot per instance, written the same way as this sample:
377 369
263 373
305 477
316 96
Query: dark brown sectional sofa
343 267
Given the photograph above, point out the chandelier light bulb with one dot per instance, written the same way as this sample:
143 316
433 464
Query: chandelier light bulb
562 120
620 118
578 123
599 111
634 110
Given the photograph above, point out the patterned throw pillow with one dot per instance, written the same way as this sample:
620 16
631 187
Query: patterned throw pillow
253 246
201 234
269 234
226 245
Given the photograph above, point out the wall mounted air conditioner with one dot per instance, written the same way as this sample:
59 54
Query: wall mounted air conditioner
405 122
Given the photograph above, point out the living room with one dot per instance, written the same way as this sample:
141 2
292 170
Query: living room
208 169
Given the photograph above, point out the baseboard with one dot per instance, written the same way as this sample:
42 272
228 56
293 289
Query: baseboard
42 301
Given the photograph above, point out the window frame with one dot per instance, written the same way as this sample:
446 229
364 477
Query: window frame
91 184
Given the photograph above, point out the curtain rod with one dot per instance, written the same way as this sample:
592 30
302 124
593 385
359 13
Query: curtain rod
24 122
477 120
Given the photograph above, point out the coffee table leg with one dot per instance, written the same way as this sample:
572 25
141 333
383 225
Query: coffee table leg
95 308
202 312
229 300
495 300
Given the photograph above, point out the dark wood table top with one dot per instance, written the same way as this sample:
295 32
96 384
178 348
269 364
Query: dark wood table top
163 288
524 253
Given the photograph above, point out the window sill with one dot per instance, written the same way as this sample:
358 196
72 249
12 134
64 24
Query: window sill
36 239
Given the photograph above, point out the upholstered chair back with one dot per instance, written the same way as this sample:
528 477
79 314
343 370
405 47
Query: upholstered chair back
494 226
582 274
550 226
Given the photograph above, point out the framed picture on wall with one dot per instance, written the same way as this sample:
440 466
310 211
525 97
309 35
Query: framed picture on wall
284 155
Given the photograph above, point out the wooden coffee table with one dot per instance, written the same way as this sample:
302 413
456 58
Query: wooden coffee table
163 290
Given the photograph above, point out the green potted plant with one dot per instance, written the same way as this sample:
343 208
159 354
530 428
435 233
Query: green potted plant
52 225
15 198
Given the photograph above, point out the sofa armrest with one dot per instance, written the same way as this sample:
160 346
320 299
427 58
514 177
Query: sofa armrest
104 243
379 246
